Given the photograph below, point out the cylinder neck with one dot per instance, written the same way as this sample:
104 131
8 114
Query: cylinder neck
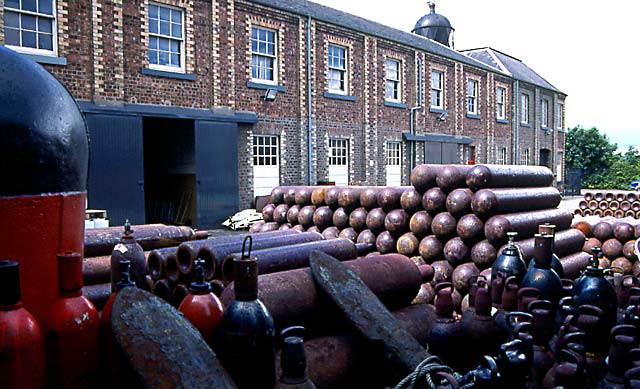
245 278
125 277
69 273
9 283
542 250
293 361
199 286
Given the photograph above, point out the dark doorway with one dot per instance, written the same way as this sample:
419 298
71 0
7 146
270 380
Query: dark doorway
169 171
545 158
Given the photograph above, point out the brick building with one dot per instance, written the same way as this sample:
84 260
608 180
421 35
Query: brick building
194 107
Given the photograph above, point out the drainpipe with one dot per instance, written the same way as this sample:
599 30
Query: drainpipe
309 126
516 119
411 115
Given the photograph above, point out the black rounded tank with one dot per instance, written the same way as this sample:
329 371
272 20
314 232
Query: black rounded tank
44 145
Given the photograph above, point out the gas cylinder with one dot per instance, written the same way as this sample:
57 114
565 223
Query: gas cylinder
245 338
201 307
510 262
550 229
72 330
540 275
43 167
443 338
22 360
116 367
593 289
129 249
623 340
293 361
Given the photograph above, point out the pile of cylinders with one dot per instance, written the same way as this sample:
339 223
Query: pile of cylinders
616 237
453 217
616 204
100 242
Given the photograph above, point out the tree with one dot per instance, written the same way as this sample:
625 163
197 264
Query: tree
591 152
624 169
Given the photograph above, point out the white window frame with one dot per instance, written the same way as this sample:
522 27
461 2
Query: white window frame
393 84
266 150
338 152
437 89
544 113
501 157
273 57
524 109
525 157
472 97
559 115
54 29
340 70
500 102
181 40
394 153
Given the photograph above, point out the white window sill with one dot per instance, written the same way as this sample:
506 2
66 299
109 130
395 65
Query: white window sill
40 56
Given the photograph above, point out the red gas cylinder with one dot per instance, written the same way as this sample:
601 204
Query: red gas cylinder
72 330
22 362
201 307
43 170
114 367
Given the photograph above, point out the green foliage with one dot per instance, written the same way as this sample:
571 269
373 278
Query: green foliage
593 153
624 169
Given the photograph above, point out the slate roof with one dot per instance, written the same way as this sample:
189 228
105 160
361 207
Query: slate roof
510 65
365 26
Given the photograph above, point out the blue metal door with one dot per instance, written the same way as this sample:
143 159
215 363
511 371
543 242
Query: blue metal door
216 147
116 167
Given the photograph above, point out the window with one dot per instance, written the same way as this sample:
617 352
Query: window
525 157
524 109
501 158
30 25
338 152
265 150
437 81
544 113
337 60
393 79
559 118
500 95
263 54
393 153
472 96
166 38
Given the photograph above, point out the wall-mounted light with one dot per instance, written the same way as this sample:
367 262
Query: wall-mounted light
443 116
270 94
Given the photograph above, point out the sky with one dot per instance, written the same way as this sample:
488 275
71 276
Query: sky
587 49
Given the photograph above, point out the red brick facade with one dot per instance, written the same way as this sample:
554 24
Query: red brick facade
105 44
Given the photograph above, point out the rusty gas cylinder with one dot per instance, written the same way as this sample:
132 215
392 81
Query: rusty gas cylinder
445 335
72 330
129 249
246 334
293 361
201 307
22 357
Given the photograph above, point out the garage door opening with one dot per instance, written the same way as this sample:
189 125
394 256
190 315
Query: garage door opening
169 171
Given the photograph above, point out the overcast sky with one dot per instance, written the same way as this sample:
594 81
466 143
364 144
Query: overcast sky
588 49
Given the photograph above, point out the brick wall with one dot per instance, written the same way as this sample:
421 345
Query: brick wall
106 43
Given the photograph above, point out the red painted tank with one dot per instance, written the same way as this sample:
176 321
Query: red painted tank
72 330
201 307
22 361
43 165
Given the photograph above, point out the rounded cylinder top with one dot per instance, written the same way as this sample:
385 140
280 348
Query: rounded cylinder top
44 145
9 282
69 272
